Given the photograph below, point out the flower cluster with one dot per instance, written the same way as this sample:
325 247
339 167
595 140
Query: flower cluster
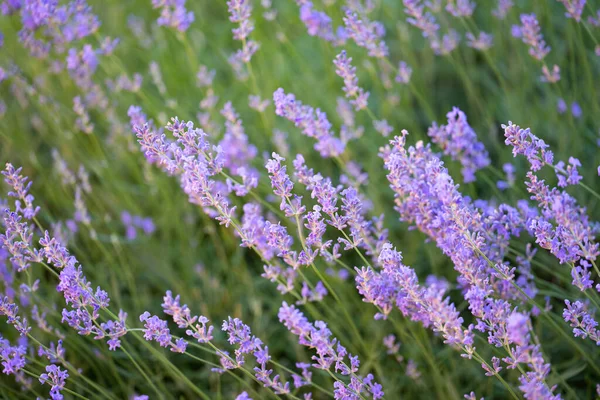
330 353
365 33
173 14
459 141
313 122
347 72
427 197
240 12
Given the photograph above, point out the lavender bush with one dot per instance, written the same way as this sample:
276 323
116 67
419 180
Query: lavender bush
222 199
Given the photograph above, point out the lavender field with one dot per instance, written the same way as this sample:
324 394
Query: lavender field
325 199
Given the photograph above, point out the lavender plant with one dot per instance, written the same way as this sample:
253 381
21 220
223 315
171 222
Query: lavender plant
252 159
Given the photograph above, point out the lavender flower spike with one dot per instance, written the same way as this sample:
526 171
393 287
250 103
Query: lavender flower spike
367 34
459 141
530 34
20 190
329 353
347 72
313 122
174 14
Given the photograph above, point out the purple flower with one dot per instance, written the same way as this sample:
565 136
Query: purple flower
239 13
347 72
319 24
550 76
595 20
243 396
155 329
314 123
447 44
561 106
366 34
404 73
518 330
427 197
460 8
181 315
482 42
56 378
329 353
530 35
582 322
47 26
503 8
173 14
574 8
509 170
529 145
20 190
18 240
420 18
12 357
576 110
459 141
571 237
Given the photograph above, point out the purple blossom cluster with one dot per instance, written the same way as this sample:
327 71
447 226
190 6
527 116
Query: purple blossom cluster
348 73
425 21
48 26
134 222
461 8
85 303
427 197
173 14
238 334
319 24
563 226
240 12
324 222
56 378
313 122
396 285
530 33
502 9
12 357
366 34
459 141
574 8
330 353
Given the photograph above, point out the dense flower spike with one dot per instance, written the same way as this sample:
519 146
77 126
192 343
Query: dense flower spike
397 286
329 353
574 8
571 238
240 12
427 197
20 190
347 72
460 8
365 33
56 378
174 14
156 329
459 141
12 357
530 33
313 122
319 24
